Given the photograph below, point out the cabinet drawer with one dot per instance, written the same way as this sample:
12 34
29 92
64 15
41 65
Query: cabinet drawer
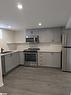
49 59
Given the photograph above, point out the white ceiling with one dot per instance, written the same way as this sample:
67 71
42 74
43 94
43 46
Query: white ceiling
50 12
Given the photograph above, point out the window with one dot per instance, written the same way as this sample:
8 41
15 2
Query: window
0 33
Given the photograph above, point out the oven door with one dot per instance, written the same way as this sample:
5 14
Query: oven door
30 57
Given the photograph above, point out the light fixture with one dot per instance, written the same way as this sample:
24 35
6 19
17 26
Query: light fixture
9 27
20 6
40 24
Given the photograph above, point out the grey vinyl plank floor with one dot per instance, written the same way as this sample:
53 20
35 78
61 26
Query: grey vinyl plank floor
37 81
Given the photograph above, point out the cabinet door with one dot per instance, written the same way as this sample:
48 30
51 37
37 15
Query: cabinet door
49 59
45 36
8 62
56 36
14 59
21 55
50 35
68 42
42 59
17 58
11 61
54 60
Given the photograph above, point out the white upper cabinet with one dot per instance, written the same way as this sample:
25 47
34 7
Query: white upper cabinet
32 32
56 35
50 35
66 38
45 36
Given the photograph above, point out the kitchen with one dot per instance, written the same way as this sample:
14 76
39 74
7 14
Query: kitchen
49 47
35 59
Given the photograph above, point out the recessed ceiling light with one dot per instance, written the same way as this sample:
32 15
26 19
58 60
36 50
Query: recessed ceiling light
20 6
40 24
9 27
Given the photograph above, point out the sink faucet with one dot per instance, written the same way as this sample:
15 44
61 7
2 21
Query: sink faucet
2 50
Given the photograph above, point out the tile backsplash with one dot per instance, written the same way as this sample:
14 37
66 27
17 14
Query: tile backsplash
50 47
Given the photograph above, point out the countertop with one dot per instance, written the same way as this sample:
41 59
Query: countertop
3 94
9 52
48 51
54 49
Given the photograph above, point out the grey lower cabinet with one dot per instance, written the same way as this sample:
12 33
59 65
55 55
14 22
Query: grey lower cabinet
8 63
11 61
21 56
15 59
50 59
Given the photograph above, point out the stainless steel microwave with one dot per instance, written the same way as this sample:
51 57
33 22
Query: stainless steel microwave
34 39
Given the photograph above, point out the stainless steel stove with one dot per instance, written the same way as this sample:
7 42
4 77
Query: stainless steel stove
31 57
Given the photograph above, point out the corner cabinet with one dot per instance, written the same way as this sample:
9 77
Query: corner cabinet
11 61
49 59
